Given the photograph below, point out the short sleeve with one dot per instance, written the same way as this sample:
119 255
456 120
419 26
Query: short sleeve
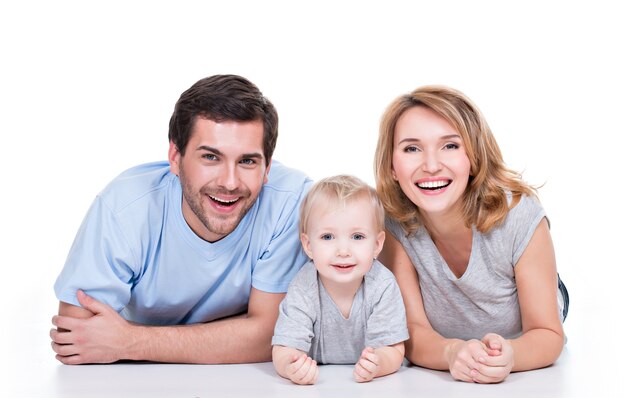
387 323
296 317
98 262
284 256
521 223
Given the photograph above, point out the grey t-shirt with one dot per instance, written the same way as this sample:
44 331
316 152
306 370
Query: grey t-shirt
484 299
310 321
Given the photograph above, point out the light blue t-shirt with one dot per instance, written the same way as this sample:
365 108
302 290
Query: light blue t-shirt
135 252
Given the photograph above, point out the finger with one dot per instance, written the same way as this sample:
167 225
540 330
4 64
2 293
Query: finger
462 375
493 341
357 377
370 356
493 361
303 370
61 337
493 353
490 375
463 371
309 378
368 365
65 322
365 372
71 360
64 349
91 303
466 362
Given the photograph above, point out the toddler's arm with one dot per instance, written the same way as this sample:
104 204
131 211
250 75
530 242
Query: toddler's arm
378 362
294 365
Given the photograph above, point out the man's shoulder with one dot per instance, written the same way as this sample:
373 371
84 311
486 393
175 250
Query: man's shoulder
283 179
143 182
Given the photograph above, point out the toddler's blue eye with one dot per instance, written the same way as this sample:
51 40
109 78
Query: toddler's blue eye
358 236
326 237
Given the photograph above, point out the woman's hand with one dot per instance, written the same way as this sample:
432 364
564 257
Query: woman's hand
486 361
464 357
498 364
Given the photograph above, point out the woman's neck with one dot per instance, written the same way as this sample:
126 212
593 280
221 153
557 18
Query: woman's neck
453 240
444 226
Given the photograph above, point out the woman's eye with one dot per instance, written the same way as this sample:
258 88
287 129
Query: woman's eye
411 149
451 145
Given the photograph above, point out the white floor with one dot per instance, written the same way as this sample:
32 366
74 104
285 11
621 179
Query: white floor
589 366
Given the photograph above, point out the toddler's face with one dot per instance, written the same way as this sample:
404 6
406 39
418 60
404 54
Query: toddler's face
343 240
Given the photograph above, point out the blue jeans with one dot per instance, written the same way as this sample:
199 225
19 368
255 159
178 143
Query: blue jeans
565 296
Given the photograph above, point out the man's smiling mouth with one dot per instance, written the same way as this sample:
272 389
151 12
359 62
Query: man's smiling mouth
223 202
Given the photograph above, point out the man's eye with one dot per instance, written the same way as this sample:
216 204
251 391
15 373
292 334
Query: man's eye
326 237
209 156
358 236
248 161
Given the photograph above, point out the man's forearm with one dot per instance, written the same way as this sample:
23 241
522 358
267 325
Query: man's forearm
96 333
232 340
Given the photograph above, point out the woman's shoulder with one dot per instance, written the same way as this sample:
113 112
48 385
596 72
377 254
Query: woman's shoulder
523 208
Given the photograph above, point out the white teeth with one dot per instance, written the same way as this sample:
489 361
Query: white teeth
223 201
433 184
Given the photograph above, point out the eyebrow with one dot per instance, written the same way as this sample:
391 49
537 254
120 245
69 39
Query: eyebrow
253 155
445 137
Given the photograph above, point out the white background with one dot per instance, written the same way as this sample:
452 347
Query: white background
87 89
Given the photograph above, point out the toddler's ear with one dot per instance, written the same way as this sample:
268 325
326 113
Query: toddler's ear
306 245
380 240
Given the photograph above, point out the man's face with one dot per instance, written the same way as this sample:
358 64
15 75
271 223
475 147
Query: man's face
221 174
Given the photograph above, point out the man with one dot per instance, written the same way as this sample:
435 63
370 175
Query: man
188 261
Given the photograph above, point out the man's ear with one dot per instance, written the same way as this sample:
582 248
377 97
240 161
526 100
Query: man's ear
173 155
306 245
267 172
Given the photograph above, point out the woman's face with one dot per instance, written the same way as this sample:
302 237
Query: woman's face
429 161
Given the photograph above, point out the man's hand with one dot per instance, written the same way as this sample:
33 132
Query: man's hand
102 338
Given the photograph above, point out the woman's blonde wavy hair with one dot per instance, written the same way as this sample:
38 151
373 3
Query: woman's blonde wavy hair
485 203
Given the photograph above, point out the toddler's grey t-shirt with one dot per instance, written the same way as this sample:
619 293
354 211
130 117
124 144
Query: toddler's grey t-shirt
310 321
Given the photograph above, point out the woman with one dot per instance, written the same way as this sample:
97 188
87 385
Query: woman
468 242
